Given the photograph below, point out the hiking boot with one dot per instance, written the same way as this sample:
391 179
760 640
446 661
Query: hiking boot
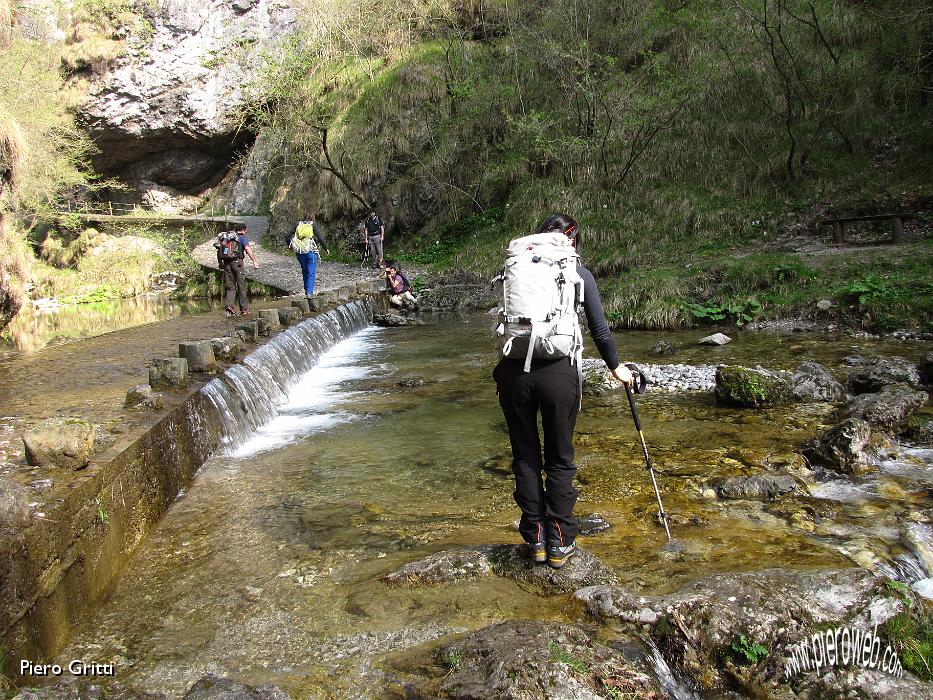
538 552
244 312
558 556
229 311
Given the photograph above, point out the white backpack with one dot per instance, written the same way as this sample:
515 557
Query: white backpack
540 293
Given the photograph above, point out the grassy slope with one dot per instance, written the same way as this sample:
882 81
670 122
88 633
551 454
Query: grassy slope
493 129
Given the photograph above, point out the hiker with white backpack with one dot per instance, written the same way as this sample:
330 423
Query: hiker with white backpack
543 285
307 242
232 247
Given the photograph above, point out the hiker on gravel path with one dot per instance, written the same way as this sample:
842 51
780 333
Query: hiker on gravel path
232 247
307 242
374 233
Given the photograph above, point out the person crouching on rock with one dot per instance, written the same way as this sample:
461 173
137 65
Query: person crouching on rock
232 247
399 285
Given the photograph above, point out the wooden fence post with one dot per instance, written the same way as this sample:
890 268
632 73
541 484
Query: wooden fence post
897 229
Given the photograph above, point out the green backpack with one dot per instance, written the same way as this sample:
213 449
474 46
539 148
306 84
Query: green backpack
305 230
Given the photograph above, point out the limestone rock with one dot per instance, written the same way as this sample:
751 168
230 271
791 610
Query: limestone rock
289 315
211 687
696 627
507 561
200 356
889 408
752 388
66 443
251 329
227 348
264 327
444 567
169 373
392 320
302 305
534 660
824 305
813 383
841 447
663 347
143 396
14 505
346 292
762 487
271 317
716 339
877 372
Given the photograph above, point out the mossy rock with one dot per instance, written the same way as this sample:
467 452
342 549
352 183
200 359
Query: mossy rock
752 388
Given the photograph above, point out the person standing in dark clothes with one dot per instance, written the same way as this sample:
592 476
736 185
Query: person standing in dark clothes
551 388
374 232
232 248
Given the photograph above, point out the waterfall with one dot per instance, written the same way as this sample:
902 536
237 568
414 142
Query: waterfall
245 396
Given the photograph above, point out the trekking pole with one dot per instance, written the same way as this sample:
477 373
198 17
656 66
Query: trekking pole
662 516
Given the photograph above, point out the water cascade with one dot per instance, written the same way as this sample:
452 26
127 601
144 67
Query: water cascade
246 396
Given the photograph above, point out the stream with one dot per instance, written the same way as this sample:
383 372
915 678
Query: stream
392 447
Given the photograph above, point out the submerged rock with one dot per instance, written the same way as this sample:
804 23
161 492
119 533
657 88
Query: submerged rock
763 487
704 629
812 382
663 347
889 408
211 687
592 524
507 561
392 320
877 372
841 447
66 443
534 660
752 388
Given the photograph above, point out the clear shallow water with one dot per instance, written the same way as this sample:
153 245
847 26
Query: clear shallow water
36 328
268 568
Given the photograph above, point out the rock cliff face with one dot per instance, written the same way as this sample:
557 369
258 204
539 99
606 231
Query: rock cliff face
163 114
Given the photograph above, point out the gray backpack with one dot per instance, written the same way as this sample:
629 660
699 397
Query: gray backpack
540 294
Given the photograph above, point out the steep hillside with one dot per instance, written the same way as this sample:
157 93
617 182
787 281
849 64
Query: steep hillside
699 144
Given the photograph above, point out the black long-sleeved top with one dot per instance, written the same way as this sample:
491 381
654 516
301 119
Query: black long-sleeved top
596 319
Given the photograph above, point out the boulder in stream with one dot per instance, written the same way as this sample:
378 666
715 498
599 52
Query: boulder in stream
534 659
761 487
841 447
200 356
877 372
813 383
888 409
228 347
65 443
752 388
211 687
507 561
715 339
739 630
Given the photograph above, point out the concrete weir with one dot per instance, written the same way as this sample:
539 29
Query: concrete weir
58 568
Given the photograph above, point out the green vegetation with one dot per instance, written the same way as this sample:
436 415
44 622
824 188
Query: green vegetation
747 652
559 655
911 633
693 141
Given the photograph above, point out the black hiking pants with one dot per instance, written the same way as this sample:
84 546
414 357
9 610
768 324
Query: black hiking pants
235 285
553 389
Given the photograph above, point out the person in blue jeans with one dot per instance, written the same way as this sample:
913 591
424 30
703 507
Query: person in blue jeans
307 242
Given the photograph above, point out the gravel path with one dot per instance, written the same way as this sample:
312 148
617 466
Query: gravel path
282 271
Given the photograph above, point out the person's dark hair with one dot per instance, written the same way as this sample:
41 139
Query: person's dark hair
309 215
242 227
393 264
564 223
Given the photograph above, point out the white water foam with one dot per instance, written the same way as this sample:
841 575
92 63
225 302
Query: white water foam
305 411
